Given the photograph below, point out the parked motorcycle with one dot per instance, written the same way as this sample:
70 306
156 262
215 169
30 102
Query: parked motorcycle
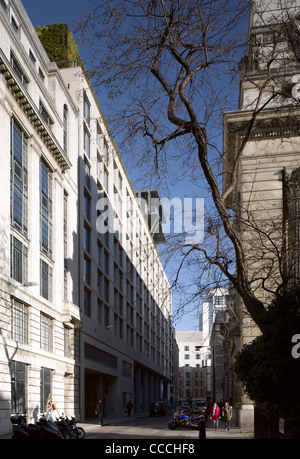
44 429
64 428
183 419
77 432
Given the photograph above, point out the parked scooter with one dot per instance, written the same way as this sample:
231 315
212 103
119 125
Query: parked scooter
186 420
44 429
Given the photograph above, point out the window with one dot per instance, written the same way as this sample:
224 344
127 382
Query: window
19 71
87 271
18 387
86 239
65 128
67 346
106 316
19 322
65 235
106 290
18 260
45 387
126 369
46 333
87 303
32 57
86 174
105 176
42 76
46 209
3 4
14 24
99 312
106 262
87 205
45 280
45 115
86 109
19 185
105 151
86 142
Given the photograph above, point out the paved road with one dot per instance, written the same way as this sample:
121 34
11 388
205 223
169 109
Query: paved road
141 427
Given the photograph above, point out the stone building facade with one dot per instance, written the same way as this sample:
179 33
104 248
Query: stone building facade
261 147
85 312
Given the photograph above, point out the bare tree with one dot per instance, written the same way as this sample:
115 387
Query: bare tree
169 64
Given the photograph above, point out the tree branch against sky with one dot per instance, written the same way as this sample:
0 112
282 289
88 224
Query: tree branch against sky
168 66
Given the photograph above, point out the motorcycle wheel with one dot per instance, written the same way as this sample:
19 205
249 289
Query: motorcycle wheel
80 433
171 425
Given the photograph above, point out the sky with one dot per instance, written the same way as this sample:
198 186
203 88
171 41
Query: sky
43 12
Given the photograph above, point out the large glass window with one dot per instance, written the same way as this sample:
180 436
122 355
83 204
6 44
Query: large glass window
18 387
46 209
45 387
18 260
45 280
86 109
46 333
19 321
66 129
19 185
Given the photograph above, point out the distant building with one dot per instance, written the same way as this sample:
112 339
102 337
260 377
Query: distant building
152 208
194 362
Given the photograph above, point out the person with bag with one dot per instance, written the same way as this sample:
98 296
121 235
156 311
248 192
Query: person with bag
215 415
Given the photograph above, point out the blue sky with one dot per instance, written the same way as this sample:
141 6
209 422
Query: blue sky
43 12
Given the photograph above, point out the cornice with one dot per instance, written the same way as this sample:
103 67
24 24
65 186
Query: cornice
29 108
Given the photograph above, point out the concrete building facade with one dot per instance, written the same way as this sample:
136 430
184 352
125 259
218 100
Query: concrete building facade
85 303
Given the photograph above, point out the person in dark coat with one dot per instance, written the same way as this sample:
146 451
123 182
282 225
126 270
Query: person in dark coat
129 407
99 411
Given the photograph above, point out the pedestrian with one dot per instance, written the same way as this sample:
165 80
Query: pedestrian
129 407
215 415
227 415
99 411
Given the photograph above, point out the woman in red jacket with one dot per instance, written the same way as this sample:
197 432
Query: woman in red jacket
215 415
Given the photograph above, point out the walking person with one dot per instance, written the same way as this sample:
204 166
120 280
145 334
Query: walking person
99 411
129 407
227 415
215 415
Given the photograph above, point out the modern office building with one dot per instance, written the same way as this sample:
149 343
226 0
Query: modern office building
85 303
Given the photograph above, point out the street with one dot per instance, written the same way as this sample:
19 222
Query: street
143 427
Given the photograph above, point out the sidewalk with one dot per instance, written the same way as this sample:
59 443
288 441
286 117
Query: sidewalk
89 426
234 433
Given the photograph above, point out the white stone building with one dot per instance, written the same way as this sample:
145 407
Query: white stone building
84 315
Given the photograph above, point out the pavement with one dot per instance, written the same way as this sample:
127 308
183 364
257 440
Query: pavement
91 428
